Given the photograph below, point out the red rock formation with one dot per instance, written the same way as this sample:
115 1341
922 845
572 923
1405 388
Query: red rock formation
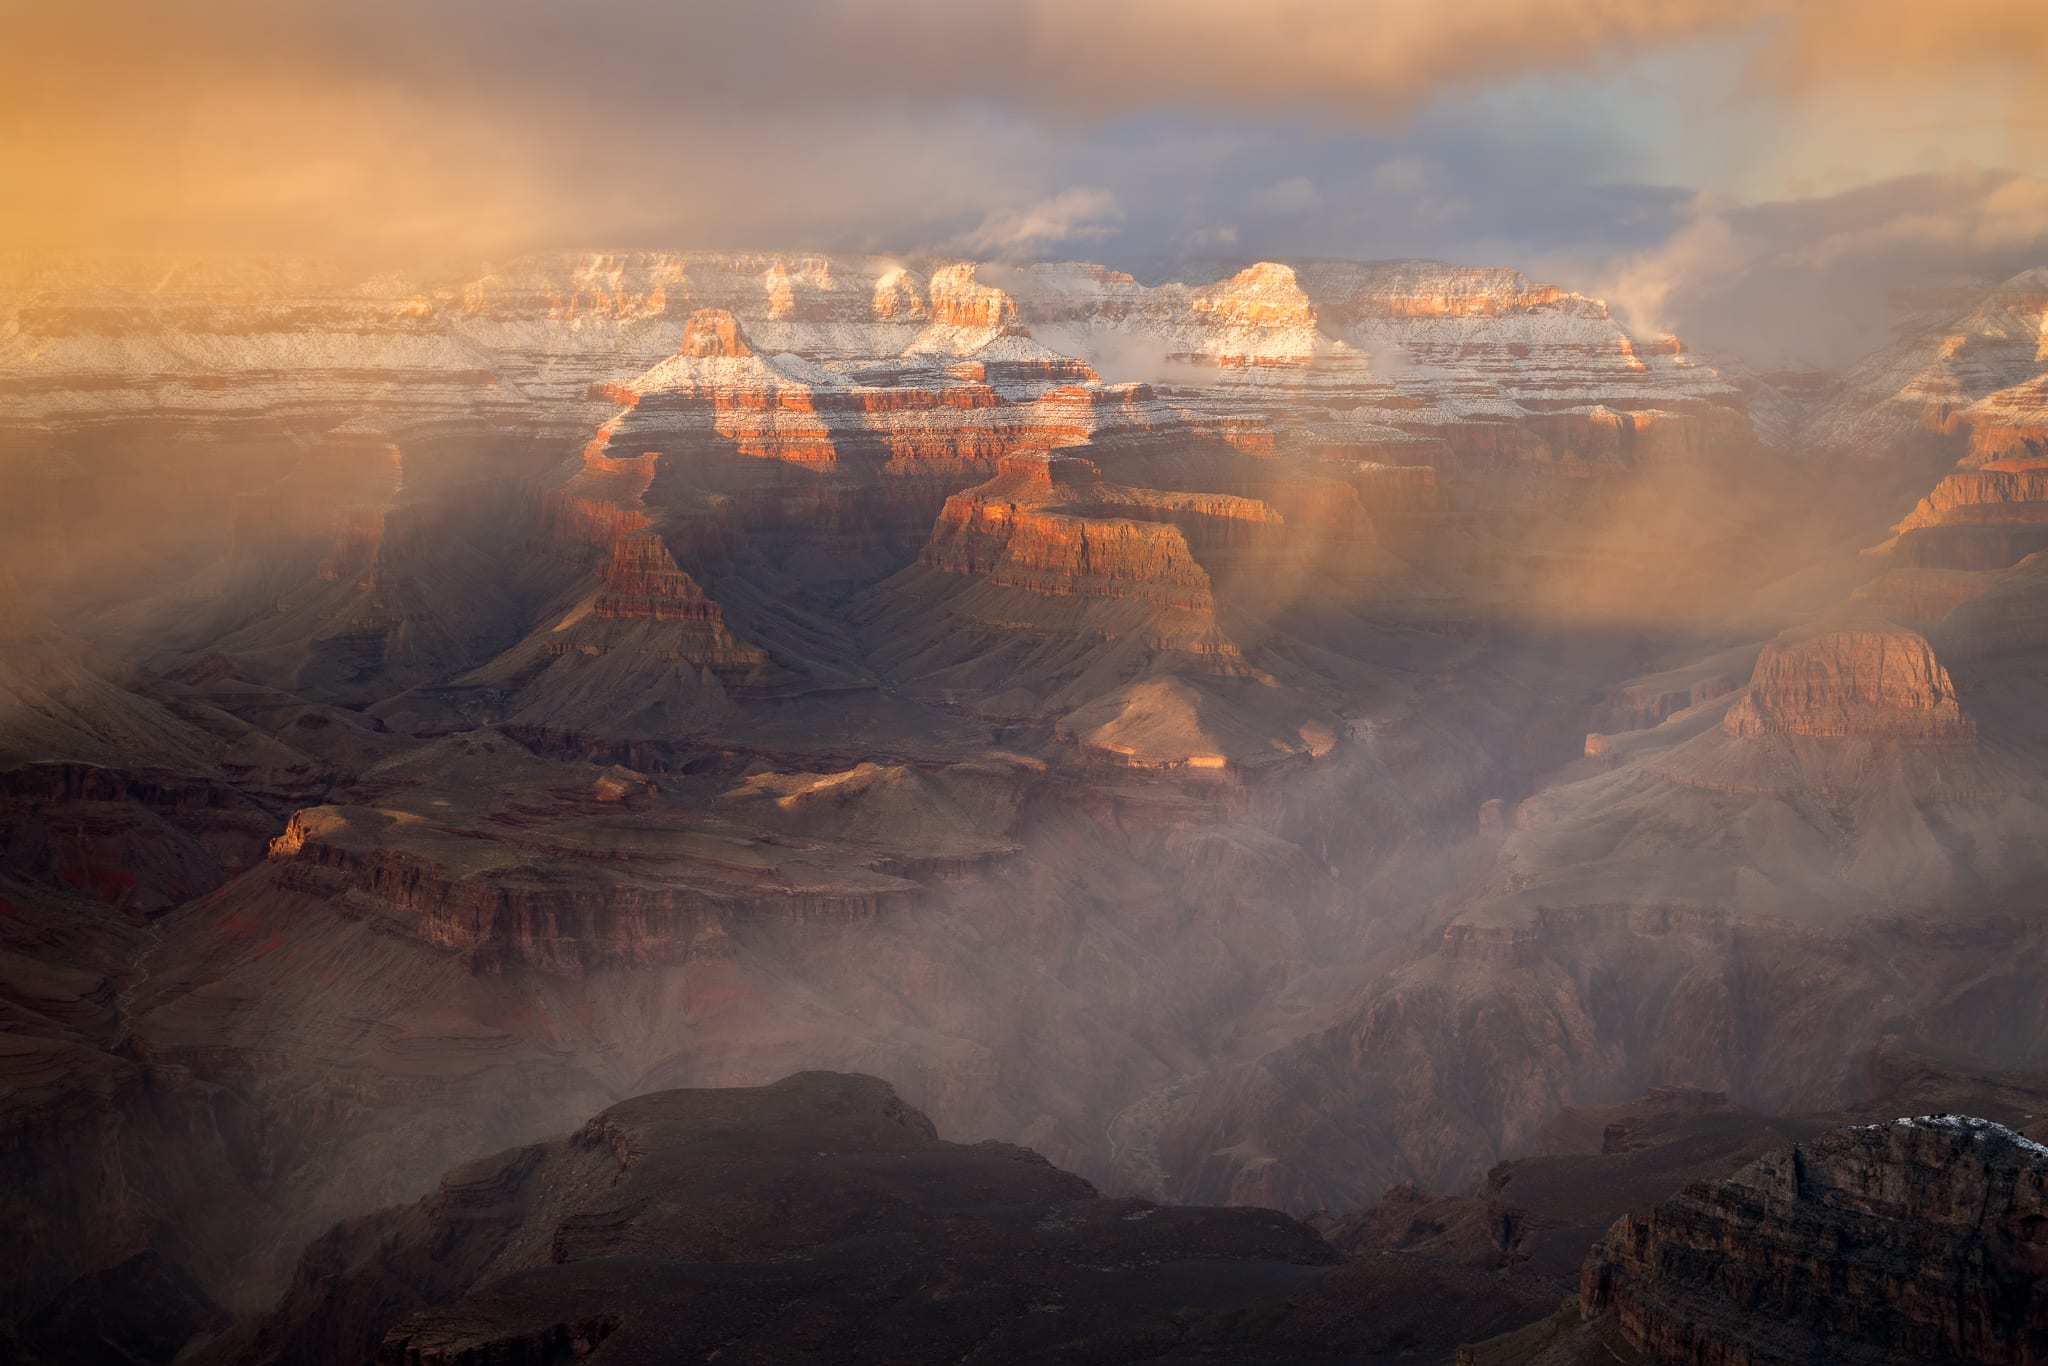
1048 553
715 384
716 391
642 581
712 332
1263 295
1011 531
960 300
1986 517
1873 681
1917 1241
896 296
1969 545
2000 491
2015 430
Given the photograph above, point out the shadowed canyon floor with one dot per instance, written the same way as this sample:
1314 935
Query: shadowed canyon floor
1253 741
820 1216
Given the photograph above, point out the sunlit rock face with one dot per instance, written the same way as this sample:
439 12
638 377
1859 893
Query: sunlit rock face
1974 380
922 374
1985 516
1851 682
1013 531
2000 491
642 581
712 332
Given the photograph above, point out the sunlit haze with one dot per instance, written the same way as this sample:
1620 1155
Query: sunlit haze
1024 681
1601 140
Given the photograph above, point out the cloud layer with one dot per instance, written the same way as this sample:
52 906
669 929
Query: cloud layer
1078 215
1815 283
1611 140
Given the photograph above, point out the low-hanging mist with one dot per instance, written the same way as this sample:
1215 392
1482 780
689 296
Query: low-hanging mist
1306 684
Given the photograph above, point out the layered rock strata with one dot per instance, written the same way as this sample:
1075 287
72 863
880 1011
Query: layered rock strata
1840 683
1920 1240
1970 382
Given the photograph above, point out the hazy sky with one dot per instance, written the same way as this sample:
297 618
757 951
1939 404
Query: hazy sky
1751 174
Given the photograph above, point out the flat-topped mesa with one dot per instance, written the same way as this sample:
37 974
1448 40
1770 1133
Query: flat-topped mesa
974 528
1227 515
1030 527
643 581
958 299
1923 1240
1429 289
713 332
1058 555
1880 682
1263 295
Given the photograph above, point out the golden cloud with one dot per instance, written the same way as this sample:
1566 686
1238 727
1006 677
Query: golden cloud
384 124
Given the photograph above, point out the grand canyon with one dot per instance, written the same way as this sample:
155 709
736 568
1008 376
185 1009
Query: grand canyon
1002 801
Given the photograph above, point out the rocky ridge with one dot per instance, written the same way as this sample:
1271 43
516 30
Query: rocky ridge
1919 1240
1971 380
821 1213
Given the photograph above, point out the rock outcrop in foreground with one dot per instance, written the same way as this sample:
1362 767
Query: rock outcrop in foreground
1921 1240
822 1218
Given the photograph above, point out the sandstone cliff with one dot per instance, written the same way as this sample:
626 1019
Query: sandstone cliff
1839 683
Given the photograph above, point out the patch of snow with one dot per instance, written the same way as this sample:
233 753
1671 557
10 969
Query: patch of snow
1978 1129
